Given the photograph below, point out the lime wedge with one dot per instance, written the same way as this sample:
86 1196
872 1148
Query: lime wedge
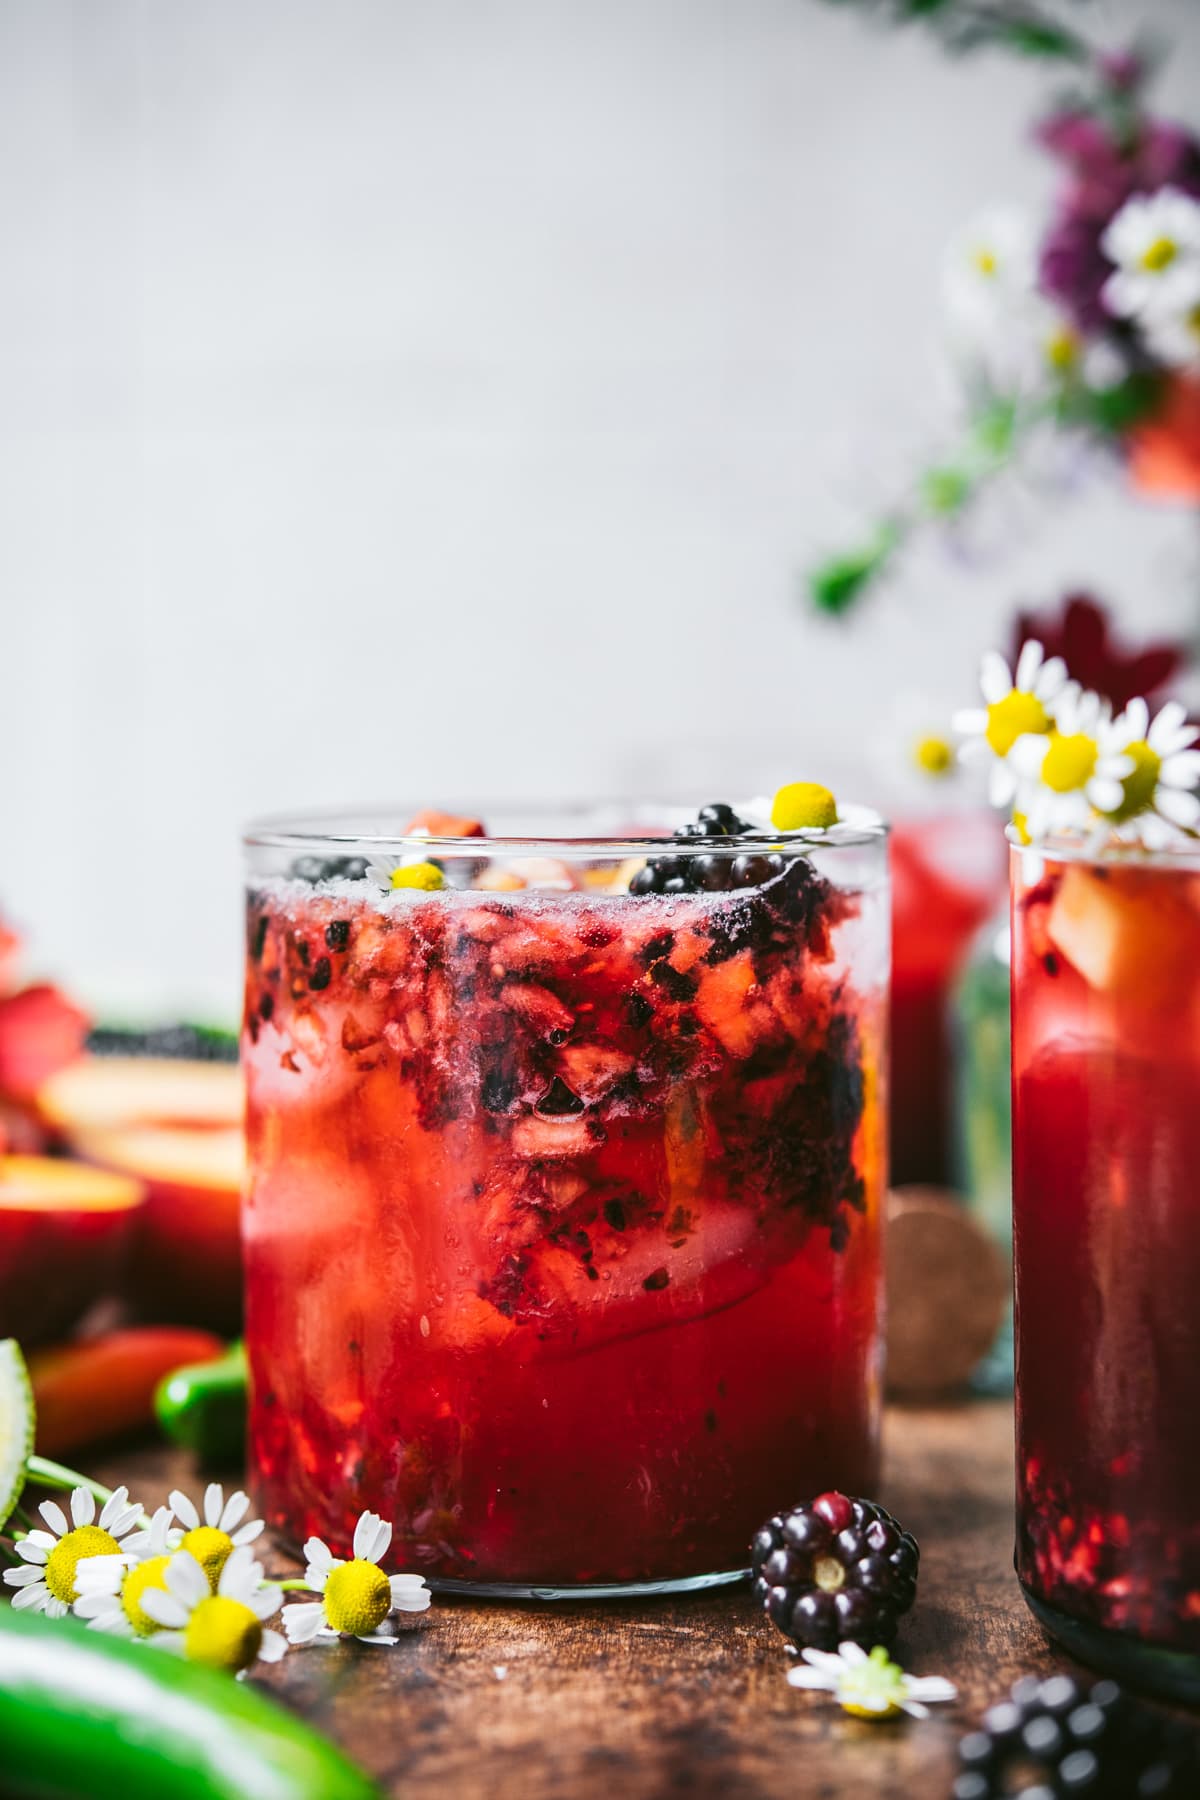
16 1425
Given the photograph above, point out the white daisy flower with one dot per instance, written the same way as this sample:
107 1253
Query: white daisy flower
1074 772
870 1687
356 1596
111 1587
224 1629
1155 242
1020 703
46 1577
1173 337
989 269
213 1540
1157 795
386 873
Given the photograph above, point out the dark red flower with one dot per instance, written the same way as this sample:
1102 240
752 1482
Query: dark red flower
1081 635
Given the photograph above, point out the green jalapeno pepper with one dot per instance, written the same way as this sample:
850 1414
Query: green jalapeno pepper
202 1407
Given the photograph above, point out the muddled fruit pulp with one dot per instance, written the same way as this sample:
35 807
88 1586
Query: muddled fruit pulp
1106 1097
562 1233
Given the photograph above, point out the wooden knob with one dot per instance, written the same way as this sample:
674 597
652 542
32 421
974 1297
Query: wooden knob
947 1287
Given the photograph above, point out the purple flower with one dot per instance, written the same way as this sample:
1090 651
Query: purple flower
1104 172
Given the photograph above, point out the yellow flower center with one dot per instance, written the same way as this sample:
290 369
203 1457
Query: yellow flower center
145 1575
1070 762
222 1634
69 1552
1021 827
1017 715
1139 785
934 755
803 806
358 1597
211 1549
877 1679
986 262
1062 351
418 875
1160 255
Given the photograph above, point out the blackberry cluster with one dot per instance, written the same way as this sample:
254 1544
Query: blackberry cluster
836 1571
707 874
328 868
1055 1739
192 1043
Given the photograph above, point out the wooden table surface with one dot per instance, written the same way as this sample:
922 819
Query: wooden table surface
683 1696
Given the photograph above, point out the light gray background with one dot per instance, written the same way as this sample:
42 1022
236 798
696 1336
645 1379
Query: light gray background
425 398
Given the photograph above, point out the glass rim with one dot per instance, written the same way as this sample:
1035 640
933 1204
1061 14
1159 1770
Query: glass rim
859 827
1130 856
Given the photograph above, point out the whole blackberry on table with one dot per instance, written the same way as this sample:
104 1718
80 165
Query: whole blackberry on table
1057 1738
835 1571
707 874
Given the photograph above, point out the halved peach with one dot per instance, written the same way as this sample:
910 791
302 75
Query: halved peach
186 1263
65 1233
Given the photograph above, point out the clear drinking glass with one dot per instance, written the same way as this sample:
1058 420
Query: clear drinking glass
1106 1145
563 1227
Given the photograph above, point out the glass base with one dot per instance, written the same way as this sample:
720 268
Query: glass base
597 1590
1166 1674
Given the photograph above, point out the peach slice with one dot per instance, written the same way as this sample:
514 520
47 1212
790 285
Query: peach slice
186 1265
97 1092
1128 932
65 1234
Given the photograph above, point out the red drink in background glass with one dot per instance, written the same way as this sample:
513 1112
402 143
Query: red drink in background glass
562 1236
1106 1139
947 875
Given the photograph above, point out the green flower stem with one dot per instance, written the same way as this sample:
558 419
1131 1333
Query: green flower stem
55 1475
290 1587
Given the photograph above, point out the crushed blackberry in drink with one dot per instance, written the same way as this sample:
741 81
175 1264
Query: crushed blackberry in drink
567 1162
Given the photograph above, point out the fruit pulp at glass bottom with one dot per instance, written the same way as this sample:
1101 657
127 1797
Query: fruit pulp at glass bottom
1107 1144
652 1456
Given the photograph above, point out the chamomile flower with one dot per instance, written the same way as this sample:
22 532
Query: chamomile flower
989 268
1157 800
46 1577
1019 704
1075 771
224 1629
356 1596
111 1587
385 872
214 1539
870 1687
1155 243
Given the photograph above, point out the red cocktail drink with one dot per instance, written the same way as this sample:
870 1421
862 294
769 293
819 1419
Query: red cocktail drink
562 1236
1106 1134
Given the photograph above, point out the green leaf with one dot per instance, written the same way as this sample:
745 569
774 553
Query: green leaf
945 491
1114 409
839 583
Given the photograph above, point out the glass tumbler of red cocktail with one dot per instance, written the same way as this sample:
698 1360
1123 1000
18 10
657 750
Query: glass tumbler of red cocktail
1106 1143
567 1155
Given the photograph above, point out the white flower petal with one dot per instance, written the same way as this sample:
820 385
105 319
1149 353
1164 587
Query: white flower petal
302 1623
241 1574
172 1641
1028 664
1182 769
969 721
247 1533
1180 808
186 1579
318 1555
214 1500
1051 679
24 1577
1002 785
55 1517
83 1507
364 1535
44 1540
914 1709
273 1647
54 1609
994 677
234 1511
100 1574
114 1508
36 1597
410 1599
1137 717
817 1679
375 1637
163 1608
184 1509
265 1602
33 1553
1028 754
1104 794
931 1687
